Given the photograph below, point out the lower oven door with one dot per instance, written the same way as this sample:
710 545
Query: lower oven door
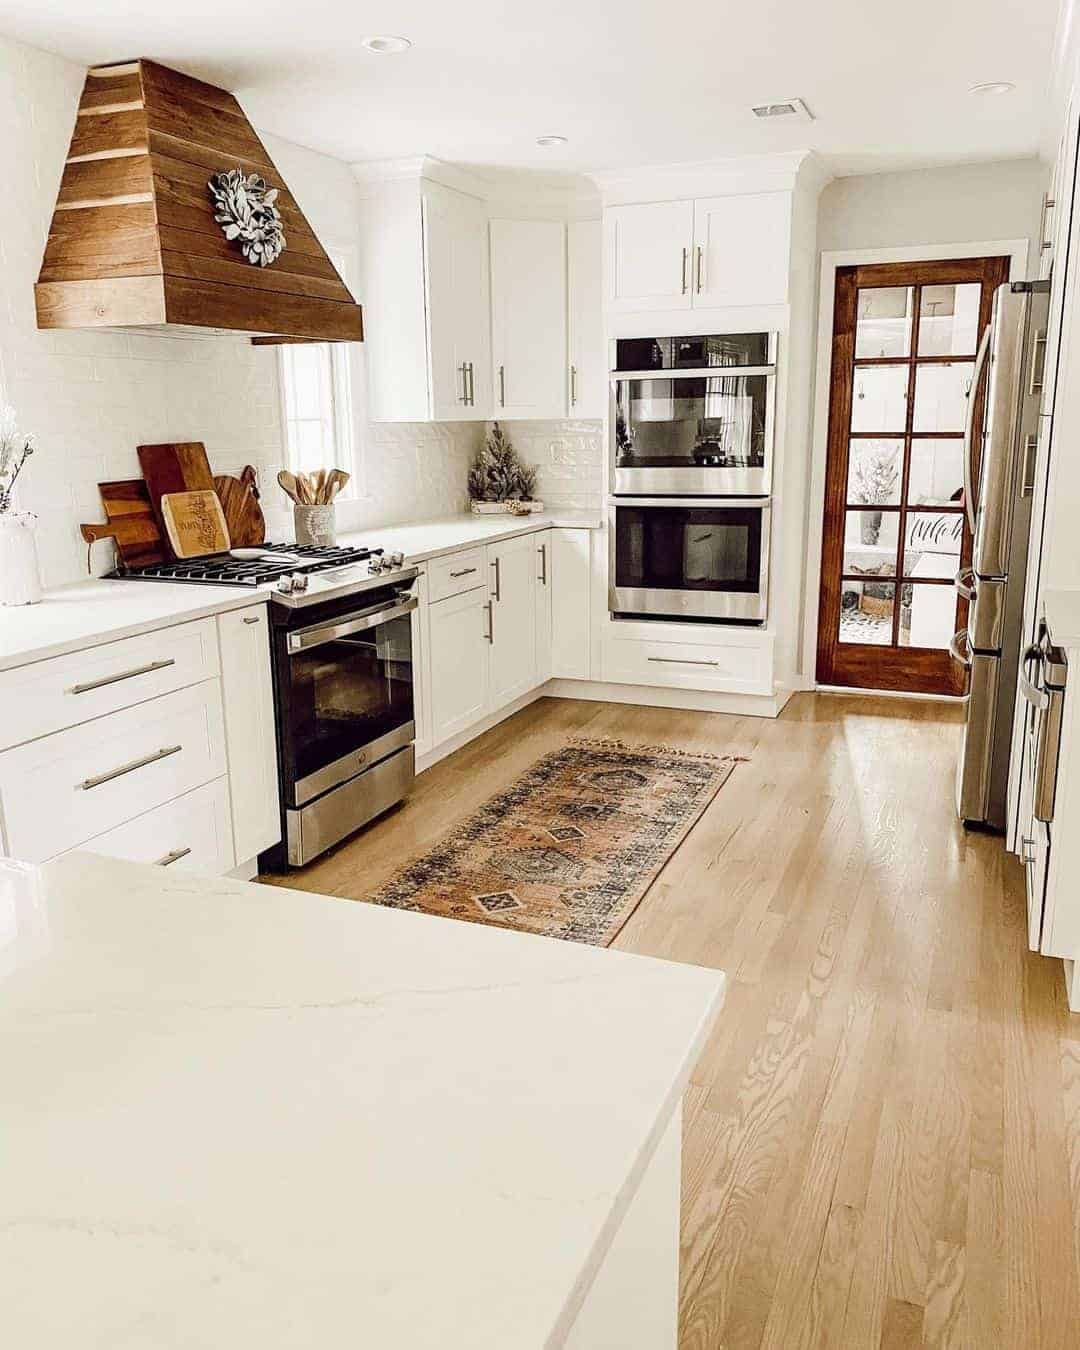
689 557
345 697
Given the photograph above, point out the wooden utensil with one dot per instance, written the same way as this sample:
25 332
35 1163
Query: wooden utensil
176 466
130 523
288 484
336 482
195 523
240 501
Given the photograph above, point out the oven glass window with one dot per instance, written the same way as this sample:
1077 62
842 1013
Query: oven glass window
348 692
712 422
688 548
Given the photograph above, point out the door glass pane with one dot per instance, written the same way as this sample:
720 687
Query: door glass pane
927 616
883 326
932 542
866 611
941 396
870 539
879 399
937 475
875 470
949 320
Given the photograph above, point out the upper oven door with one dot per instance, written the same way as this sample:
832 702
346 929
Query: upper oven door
688 558
693 415
346 695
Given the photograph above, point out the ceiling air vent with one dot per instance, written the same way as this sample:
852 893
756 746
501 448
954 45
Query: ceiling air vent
784 107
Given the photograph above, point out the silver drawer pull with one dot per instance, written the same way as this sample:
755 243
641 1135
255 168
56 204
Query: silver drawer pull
252 620
174 856
680 661
100 778
465 572
124 675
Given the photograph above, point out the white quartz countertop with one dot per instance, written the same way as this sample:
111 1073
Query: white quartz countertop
240 1115
71 618
434 538
1062 609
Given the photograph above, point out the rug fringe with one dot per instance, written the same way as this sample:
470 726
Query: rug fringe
614 743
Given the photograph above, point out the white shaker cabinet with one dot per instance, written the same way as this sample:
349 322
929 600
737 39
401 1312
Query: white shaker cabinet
571 585
588 360
528 318
543 544
458 629
459 342
250 730
512 567
742 246
647 256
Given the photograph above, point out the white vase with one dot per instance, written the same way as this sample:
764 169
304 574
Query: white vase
20 577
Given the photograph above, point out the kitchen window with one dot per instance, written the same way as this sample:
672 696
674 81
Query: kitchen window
317 403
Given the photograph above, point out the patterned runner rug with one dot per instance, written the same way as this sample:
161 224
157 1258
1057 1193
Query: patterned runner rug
569 849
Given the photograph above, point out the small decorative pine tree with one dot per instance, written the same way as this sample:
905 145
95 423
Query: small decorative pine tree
497 474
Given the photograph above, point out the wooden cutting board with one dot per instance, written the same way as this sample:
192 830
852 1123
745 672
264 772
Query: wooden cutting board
195 523
176 466
240 502
130 523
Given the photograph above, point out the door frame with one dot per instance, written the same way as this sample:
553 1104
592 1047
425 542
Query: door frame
1016 250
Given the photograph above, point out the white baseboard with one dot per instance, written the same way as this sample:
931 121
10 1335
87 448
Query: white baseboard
430 757
245 871
651 696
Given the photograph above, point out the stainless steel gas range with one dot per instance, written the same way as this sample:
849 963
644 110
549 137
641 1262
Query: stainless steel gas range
341 652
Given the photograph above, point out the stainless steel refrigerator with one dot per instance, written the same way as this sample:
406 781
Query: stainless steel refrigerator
999 480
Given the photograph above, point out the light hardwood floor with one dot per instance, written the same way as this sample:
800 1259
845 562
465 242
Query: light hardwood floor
882 1141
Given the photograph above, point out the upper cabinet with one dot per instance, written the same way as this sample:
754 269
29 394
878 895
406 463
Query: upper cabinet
588 366
711 253
648 256
528 318
456 271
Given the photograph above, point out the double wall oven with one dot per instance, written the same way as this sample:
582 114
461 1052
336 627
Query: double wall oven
692 430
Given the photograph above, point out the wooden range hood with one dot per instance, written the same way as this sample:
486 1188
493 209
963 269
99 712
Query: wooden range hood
134 242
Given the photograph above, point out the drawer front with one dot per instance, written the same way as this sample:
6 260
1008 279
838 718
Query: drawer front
192 833
65 691
61 790
742 670
456 574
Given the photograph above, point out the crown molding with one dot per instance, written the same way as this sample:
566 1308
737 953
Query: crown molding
711 177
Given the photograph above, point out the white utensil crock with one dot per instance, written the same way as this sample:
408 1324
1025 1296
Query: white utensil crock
20 578
315 524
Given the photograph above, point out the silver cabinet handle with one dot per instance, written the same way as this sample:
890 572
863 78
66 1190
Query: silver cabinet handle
174 856
573 385
124 675
1031 459
464 398
1027 849
680 661
502 386
685 260
542 550
472 385
490 633
1038 367
699 269
252 619
465 572
498 580
98 779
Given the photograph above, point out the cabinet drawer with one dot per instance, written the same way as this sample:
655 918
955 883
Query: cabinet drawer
741 669
64 691
61 790
192 833
456 574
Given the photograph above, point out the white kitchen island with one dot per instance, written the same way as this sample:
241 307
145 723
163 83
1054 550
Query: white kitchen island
244 1116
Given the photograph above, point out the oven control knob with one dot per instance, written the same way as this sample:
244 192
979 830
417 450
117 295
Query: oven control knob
285 584
397 559
299 582
374 566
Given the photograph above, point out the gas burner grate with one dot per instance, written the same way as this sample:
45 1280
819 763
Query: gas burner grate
221 569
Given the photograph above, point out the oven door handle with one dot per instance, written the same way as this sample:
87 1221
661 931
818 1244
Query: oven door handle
305 638
699 503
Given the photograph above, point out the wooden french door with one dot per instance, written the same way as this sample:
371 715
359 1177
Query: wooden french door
905 337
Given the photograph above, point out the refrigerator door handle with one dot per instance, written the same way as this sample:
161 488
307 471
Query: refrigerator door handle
1037 697
969 428
964 581
960 649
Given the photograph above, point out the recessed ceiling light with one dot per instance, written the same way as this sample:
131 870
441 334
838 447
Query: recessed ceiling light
993 87
383 46
548 141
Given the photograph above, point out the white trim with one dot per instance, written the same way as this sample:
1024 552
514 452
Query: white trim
1017 251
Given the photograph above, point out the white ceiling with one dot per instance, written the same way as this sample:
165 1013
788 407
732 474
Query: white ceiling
637 83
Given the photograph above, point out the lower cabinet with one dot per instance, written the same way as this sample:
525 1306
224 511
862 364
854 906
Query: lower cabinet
513 581
544 544
571 590
250 729
190 833
458 629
